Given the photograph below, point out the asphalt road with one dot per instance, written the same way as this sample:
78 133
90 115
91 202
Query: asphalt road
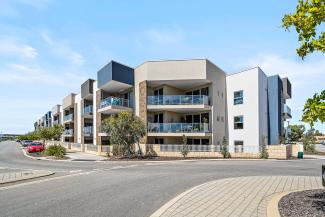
121 188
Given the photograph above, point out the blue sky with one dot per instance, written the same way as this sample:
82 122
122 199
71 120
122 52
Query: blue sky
49 47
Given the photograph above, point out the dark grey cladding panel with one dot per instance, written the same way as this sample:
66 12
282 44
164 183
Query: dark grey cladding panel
117 72
87 88
286 86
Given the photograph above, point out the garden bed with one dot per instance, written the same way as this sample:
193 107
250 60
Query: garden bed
310 203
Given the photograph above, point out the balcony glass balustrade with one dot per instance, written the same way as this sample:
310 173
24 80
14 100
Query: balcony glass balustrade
68 132
287 109
178 128
88 110
68 117
88 130
114 101
178 100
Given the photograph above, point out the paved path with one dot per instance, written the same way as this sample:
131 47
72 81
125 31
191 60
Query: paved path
243 196
14 176
82 156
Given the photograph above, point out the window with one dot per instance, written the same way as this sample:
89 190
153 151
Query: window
218 118
205 91
238 122
205 141
238 97
222 119
159 141
239 146
159 118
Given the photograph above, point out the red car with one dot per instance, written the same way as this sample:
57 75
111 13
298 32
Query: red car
35 147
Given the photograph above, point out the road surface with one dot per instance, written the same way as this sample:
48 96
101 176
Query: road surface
120 188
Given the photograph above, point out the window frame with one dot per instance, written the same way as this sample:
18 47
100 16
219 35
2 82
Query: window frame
236 99
241 120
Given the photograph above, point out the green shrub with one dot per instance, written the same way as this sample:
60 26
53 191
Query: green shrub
184 148
118 150
57 151
224 148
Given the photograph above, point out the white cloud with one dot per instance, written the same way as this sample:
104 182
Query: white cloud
164 36
17 49
39 4
62 49
14 73
8 8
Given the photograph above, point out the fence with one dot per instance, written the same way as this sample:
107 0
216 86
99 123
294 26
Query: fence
190 148
91 147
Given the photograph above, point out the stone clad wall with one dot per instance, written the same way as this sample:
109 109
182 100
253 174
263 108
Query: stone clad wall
98 116
143 95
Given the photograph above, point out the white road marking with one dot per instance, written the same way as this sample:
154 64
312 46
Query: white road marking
44 180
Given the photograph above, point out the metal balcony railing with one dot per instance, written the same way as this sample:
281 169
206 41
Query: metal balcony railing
88 130
88 110
68 117
114 101
178 128
68 132
287 110
191 148
178 100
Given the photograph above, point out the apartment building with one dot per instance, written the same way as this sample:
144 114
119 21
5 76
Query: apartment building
176 98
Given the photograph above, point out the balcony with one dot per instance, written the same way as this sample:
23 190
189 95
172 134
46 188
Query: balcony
68 132
56 122
112 105
68 118
179 102
88 131
287 112
87 111
178 129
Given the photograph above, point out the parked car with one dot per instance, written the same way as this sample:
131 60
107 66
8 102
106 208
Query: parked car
35 147
25 143
323 143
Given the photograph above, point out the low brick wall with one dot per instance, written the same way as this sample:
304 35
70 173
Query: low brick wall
279 151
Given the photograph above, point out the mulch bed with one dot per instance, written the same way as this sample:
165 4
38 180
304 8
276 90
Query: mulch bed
310 203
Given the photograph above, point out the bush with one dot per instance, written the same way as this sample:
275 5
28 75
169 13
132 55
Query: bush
224 148
184 148
118 150
57 151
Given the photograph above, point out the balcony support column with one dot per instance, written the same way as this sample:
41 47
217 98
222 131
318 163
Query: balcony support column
143 95
98 116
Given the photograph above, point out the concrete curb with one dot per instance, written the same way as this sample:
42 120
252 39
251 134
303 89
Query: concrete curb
272 209
40 158
162 209
43 174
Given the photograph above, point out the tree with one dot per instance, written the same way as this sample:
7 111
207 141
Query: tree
309 141
184 148
314 109
57 131
45 134
224 148
296 132
125 130
318 133
264 154
309 15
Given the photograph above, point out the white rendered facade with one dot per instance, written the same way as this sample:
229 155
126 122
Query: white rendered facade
205 122
253 109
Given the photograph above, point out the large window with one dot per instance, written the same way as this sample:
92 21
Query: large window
239 146
238 122
238 97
